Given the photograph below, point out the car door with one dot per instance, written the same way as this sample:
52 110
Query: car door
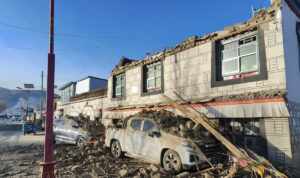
58 129
70 131
133 136
151 147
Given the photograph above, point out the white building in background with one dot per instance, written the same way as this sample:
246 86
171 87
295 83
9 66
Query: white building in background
67 91
84 85
90 83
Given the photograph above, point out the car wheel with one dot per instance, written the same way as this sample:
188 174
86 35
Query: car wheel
115 149
172 161
80 140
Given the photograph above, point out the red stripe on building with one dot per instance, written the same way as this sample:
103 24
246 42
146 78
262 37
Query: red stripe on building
217 103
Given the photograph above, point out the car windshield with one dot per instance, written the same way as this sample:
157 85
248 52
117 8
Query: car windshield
58 122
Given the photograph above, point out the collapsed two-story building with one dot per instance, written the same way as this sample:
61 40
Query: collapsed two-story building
246 78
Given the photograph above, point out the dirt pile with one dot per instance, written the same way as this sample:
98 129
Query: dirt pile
94 127
174 124
94 160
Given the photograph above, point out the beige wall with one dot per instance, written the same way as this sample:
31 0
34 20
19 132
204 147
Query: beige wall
189 73
276 132
89 107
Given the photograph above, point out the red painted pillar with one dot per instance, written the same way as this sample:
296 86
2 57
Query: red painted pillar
48 164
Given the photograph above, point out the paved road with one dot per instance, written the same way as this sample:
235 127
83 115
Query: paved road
11 135
16 138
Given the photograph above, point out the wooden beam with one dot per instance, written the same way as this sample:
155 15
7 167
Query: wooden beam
201 120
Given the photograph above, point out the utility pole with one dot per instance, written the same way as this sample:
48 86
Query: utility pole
41 106
48 164
26 112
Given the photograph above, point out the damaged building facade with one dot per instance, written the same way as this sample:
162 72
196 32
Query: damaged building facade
246 78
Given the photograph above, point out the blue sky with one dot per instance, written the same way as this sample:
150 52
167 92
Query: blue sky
92 35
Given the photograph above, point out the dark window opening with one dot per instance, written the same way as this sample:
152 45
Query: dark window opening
244 131
119 86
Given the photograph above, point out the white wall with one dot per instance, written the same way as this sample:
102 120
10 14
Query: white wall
292 59
291 52
83 86
97 83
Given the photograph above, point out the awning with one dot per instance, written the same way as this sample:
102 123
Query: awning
251 108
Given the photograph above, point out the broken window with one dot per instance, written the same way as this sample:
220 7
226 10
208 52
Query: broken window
239 57
119 86
153 77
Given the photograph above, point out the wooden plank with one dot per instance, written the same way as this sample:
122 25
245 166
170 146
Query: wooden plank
201 120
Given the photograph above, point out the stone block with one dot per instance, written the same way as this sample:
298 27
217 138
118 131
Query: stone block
275 78
274 51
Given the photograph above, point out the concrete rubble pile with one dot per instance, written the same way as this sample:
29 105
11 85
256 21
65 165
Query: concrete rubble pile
93 160
174 124
94 127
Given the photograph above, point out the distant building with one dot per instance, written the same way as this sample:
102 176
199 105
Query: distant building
90 83
67 91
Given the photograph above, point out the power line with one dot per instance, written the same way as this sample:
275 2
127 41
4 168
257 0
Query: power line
70 35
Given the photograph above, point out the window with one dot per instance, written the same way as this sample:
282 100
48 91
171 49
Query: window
149 127
119 86
239 57
153 77
136 124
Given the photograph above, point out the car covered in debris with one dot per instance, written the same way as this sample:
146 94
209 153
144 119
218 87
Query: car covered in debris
140 137
17 118
68 131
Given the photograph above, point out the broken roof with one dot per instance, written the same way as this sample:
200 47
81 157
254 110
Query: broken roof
262 16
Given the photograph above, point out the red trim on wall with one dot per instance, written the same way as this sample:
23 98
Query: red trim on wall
97 110
217 103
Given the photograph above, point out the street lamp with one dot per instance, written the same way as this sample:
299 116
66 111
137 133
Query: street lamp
48 164
27 86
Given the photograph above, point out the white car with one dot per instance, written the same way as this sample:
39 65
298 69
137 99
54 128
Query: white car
17 118
140 137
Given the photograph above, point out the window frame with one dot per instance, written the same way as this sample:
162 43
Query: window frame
122 84
216 78
238 57
144 82
154 78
